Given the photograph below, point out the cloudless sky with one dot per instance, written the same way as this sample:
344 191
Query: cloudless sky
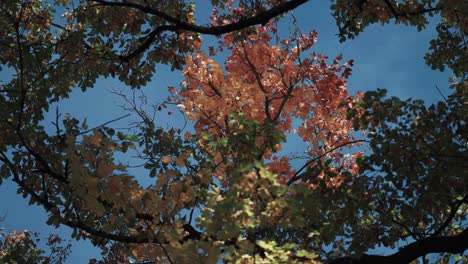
388 57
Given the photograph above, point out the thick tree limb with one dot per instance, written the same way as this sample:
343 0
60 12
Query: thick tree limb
447 244
261 18
175 24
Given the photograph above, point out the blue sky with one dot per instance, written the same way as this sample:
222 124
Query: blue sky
388 57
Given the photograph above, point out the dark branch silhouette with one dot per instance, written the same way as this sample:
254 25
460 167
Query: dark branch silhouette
446 244
176 25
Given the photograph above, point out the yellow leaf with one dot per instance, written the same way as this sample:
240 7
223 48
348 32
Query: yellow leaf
166 159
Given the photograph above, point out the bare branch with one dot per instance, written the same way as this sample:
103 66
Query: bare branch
102 125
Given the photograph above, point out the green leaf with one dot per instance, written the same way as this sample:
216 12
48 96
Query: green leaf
131 138
305 254
268 245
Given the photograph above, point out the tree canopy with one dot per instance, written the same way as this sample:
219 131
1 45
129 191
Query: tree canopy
21 247
224 190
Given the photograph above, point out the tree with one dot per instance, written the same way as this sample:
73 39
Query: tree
449 49
414 178
225 191
21 247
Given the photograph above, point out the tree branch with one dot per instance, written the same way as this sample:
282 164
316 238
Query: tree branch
447 244
396 13
176 24
297 176
102 125
448 220
261 18
150 38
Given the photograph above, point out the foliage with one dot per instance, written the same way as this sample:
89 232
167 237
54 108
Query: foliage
448 49
413 183
21 247
226 191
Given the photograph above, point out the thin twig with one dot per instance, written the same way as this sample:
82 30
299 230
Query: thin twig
296 175
102 125
443 96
